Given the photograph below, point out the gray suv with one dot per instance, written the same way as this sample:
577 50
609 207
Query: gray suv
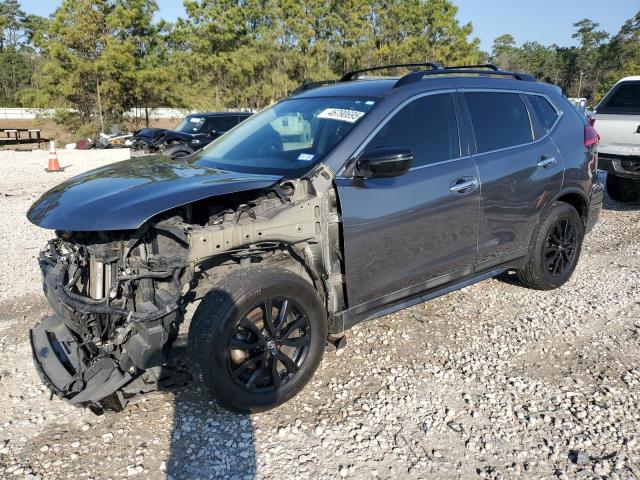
339 204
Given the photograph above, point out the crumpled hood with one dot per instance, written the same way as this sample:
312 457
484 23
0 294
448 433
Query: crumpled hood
124 195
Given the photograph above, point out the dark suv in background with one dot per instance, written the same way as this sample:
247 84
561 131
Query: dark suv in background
336 205
192 133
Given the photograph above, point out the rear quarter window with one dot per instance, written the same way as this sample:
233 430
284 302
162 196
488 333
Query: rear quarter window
500 120
544 112
624 99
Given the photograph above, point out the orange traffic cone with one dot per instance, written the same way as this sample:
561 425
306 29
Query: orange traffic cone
54 165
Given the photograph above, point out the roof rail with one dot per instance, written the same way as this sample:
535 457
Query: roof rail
463 70
435 69
311 85
347 77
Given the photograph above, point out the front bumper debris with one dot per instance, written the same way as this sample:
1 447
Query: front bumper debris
66 368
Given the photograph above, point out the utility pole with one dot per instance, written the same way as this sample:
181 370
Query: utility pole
99 104
580 84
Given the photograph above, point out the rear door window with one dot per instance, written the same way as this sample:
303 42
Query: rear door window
427 126
625 99
500 120
544 112
222 124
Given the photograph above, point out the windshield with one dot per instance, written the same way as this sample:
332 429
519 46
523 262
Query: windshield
625 99
288 138
191 125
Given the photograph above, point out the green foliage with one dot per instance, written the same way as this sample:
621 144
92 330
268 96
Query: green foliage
249 53
587 70
18 60
100 58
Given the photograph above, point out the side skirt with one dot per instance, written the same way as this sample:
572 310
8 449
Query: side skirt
347 319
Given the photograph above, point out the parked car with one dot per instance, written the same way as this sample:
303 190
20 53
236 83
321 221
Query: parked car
617 117
194 132
394 192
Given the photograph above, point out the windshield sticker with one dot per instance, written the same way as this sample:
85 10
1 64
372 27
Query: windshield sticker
351 116
305 157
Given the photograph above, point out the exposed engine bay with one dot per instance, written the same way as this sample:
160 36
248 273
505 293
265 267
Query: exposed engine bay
120 297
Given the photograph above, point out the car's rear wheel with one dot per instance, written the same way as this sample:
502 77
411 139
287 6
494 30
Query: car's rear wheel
257 338
555 249
623 189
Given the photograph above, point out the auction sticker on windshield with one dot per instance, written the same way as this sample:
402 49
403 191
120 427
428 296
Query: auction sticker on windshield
351 116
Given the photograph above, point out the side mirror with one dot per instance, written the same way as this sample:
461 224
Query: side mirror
384 162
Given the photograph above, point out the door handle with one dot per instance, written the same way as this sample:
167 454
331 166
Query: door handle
547 162
464 185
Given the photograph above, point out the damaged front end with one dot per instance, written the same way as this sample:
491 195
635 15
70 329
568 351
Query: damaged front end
119 297
117 306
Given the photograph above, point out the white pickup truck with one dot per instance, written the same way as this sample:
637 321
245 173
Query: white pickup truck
617 119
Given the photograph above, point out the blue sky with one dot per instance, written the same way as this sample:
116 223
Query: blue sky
546 21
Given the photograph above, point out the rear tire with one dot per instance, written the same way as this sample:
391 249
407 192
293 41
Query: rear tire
555 248
623 189
249 360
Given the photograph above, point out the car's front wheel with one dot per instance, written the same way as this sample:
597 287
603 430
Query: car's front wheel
555 248
257 338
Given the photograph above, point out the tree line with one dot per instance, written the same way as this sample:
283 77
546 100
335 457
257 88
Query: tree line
101 58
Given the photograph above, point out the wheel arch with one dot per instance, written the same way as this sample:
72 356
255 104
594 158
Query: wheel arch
289 257
574 197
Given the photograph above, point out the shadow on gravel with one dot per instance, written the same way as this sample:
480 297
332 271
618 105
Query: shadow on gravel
610 204
208 442
511 278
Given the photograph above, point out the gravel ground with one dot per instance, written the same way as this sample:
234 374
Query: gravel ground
494 381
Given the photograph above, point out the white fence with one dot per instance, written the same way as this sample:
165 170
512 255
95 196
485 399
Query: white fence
31 113
23 113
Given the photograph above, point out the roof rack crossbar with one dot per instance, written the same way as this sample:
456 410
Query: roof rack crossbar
490 66
347 77
417 76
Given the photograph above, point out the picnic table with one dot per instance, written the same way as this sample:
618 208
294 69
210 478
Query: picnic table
17 136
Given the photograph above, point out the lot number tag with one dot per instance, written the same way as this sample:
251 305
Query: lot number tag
351 116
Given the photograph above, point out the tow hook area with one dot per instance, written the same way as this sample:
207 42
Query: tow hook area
66 369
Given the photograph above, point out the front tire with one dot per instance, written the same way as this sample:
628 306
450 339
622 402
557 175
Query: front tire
257 338
623 189
178 152
555 249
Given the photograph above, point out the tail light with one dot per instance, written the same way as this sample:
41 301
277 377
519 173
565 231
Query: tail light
591 136
591 139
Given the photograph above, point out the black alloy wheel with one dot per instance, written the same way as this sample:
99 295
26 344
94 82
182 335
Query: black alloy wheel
561 247
555 248
269 345
257 337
